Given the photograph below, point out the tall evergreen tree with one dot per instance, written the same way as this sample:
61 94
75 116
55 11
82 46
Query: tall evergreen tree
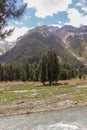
35 72
50 67
43 69
27 71
53 67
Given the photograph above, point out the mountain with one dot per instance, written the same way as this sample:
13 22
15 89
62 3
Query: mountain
5 46
68 42
75 41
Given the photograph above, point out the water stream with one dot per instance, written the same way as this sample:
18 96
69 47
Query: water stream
70 119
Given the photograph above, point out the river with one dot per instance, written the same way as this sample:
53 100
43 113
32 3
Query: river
69 119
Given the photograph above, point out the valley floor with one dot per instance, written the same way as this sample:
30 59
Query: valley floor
25 97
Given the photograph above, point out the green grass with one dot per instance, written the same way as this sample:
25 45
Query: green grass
36 92
8 96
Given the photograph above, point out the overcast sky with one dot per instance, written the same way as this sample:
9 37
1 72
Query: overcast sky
50 12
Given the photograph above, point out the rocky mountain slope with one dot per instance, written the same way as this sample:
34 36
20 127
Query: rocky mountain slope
68 42
5 46
75 41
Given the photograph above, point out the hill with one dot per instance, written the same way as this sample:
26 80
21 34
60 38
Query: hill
68 42
75 41
5 46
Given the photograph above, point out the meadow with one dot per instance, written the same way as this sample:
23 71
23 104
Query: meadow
27 97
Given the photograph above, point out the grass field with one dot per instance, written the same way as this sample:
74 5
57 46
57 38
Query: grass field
19 97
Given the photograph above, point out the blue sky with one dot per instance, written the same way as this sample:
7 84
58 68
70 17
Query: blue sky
50 12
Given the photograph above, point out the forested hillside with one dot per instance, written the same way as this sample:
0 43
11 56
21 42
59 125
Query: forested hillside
49 68
42 39
47 53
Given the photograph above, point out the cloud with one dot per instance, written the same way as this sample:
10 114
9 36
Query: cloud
40 23
56 25
81 3
84 9
59 24
18 23
76 18
27 17
46 8
17 33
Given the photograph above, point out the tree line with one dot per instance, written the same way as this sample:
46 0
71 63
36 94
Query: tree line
48 69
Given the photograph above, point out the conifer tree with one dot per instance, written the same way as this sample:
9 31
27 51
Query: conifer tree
50 67
43 69
9 9
53 67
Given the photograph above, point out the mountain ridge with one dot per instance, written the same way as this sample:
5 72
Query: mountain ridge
68 42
